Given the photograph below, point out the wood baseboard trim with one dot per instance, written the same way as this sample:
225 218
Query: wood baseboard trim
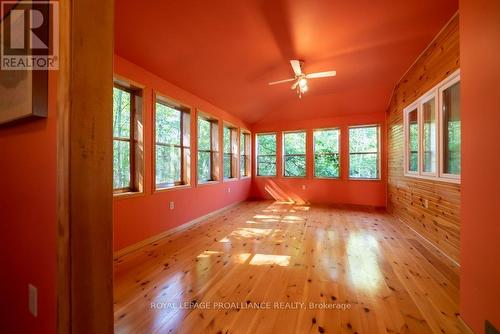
121 252
427 241
464 323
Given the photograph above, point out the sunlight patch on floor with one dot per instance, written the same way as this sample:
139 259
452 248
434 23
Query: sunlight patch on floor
250 232
242 258
208 253
362 251
267 259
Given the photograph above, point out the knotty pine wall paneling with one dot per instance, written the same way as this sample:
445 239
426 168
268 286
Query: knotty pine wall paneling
432 208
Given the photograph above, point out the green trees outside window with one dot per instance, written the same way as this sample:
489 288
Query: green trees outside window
122 139
266 154
364 152
204 150
326 153
228 138
429 136
244 153
451 129
413 145
171 145
432 133
294 158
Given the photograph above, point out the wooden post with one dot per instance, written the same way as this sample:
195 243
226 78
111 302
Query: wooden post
85 171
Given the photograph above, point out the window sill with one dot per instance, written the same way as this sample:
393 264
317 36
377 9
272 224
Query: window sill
363 179
127 194
179 187
294 177
265 176
207 183
333 178
232 179
245 177
442 179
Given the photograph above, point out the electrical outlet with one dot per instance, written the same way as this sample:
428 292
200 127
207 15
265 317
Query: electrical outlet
33 300
172 206
303 187
228 190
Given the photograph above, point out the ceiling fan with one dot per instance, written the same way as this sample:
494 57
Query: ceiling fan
300 80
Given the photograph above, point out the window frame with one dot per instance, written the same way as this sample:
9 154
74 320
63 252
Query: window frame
426 98
136 141
379 152
443 85
185 170
233 154
247 153
283 157
257 155
435 92
339 136
214 149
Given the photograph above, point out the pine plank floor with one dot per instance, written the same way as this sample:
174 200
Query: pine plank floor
270 267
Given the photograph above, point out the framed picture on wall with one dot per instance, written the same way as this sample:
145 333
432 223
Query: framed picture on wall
23 94
23 91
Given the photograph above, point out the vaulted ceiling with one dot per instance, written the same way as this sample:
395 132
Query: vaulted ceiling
226 51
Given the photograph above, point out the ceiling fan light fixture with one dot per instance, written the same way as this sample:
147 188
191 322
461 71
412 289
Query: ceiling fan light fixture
300 79
303 82
303 88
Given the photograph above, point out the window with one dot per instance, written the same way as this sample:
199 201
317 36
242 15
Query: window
326 153
245 148
432 133
451 128
127 142
230 146
172 141
266 154
364 158
294 157
208 149
429 136
413 140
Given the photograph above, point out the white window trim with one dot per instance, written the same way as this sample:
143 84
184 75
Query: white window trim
435 92
406 112
379 153
448 82
426 98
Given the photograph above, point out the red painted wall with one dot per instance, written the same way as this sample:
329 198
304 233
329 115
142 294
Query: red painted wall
138 218
28 219
480 235
320 190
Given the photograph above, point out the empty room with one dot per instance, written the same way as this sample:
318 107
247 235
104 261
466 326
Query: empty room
250 166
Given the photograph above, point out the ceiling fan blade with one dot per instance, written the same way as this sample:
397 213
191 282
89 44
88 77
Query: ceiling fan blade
296 67
280 81
321 74
295 84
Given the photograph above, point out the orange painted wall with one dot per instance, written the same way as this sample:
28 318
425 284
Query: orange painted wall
320 190
28 219
138 218
480 235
